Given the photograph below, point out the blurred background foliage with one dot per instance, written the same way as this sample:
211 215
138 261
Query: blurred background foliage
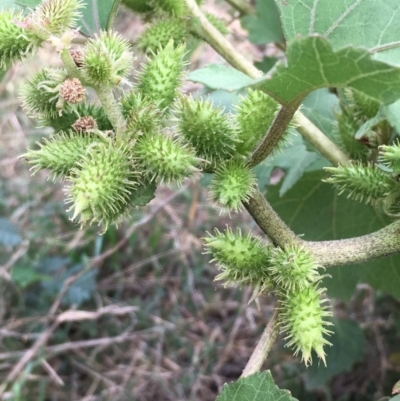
134 314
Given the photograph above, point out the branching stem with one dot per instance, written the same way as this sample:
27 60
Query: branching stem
263 346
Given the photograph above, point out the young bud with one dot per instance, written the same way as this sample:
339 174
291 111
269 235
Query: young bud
15 43
232 184
302 318
160 33
161 77
142 115
106 59
175 8
293 268
389 155
59 154
366 106
40 96
255 114
72 91
102 184
163 158
365 183
206 128
56 16
242 259
77 55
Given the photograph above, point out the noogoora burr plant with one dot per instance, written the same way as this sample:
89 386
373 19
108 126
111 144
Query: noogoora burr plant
111 155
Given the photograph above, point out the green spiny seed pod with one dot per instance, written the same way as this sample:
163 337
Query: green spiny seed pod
101 185
366 106
175 8
293 268
56 16
139 6
160 157
60 153
106 59
210 131
365 183
69 117
255 114
160 33
389 155
40 96
242 259
347 127
161 76
142 115
303 318
15 43
232 184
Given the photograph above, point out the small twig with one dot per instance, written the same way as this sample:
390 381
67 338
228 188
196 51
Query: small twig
263 347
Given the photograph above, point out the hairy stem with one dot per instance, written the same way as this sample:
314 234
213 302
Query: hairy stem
220 44
274 133
268 220
381 243
243 6
112 109
263 347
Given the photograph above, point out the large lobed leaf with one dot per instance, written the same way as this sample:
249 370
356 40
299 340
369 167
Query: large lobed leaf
372 24
257 387
312 63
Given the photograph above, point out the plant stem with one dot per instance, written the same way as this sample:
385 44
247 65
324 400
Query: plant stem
324 145
218 42
381 243
268 220
263 346
243 6
222 46
274 133
112 109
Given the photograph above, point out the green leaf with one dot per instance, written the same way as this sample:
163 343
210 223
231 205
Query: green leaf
347 347
257 387
320 107
372 24
313 209
265 26
95 16
312 63
143 194
9 235
218 76
266 64
23 276
392 113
